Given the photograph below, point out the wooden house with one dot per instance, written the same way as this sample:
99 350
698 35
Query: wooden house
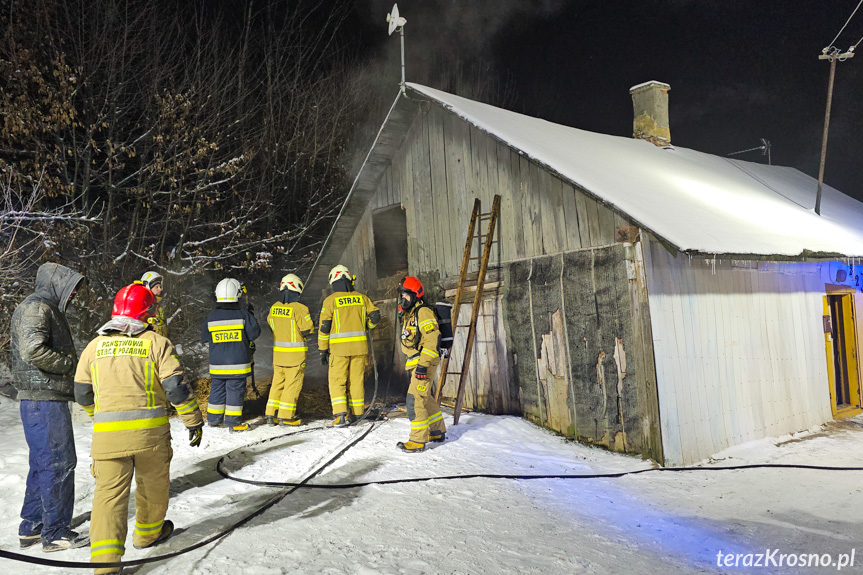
652 299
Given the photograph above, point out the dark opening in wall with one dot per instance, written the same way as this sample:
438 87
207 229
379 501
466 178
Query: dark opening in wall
391 241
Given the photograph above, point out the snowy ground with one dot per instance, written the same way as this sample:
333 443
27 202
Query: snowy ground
657 522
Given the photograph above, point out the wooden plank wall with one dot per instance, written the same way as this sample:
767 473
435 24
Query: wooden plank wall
442 166
739 350
445 163
488 378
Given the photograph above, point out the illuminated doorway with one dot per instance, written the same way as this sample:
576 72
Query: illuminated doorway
841 346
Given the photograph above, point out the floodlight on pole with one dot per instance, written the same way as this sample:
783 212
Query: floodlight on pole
397 22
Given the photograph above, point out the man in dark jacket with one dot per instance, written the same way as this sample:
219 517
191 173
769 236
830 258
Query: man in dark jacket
43 366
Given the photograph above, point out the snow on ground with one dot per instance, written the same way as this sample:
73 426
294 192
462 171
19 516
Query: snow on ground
662 522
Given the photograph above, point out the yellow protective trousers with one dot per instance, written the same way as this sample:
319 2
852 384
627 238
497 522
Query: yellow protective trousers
285 390
109 519
348 372
423 409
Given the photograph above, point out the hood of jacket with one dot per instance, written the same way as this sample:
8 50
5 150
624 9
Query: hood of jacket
55 283
342 285
289 296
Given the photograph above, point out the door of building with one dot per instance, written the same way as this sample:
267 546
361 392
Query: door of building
840 336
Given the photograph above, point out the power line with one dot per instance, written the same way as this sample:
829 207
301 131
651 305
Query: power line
830 45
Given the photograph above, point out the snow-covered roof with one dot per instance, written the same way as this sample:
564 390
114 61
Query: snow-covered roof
697 201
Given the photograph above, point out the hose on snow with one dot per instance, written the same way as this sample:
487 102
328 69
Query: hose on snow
618 474
216 536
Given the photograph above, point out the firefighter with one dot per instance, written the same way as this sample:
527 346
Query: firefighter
291 325
345 316
420 344
124 380
153 282
229 331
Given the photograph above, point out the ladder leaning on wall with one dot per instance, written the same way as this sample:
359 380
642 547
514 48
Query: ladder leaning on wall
474 233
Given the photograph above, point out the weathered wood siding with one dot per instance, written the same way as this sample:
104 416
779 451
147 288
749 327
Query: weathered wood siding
562 342
445 163
442 166
739 349
488 386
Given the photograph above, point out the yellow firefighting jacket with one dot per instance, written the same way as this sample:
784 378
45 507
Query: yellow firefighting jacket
420 337
291 325
344 319
158 320
125 383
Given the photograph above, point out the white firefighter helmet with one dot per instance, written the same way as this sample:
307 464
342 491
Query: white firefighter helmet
228 290
340 272
292 282
151 279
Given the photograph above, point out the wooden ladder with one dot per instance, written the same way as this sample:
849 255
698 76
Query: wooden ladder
474 232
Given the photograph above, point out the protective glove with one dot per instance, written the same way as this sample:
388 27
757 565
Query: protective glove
250 307
325 356
195 435
252 347
421 372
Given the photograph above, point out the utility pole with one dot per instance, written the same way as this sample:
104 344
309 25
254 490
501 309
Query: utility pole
833 54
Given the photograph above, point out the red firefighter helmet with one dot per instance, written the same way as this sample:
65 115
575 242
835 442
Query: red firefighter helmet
414 288
413 285
133 301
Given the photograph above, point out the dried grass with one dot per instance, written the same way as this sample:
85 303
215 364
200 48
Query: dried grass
314 402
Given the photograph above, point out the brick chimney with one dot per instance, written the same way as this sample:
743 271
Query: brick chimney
650 106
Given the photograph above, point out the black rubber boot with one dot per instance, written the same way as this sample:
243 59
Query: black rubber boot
341 420
439 437
167 530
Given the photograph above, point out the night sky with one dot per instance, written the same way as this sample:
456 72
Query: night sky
739 70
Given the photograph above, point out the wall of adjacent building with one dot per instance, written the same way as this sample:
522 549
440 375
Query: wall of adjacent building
739 350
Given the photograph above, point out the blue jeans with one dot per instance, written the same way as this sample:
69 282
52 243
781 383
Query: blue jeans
50 494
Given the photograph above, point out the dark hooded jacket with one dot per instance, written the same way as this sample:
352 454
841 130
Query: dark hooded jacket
43 353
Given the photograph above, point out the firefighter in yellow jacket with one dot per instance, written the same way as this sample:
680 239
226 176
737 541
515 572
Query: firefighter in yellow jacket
125 379
291 325
420 344
345 316
156 317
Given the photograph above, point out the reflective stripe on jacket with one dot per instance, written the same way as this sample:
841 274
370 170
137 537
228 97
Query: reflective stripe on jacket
345 316
158 321
228 330
129 399
289 321
420 337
